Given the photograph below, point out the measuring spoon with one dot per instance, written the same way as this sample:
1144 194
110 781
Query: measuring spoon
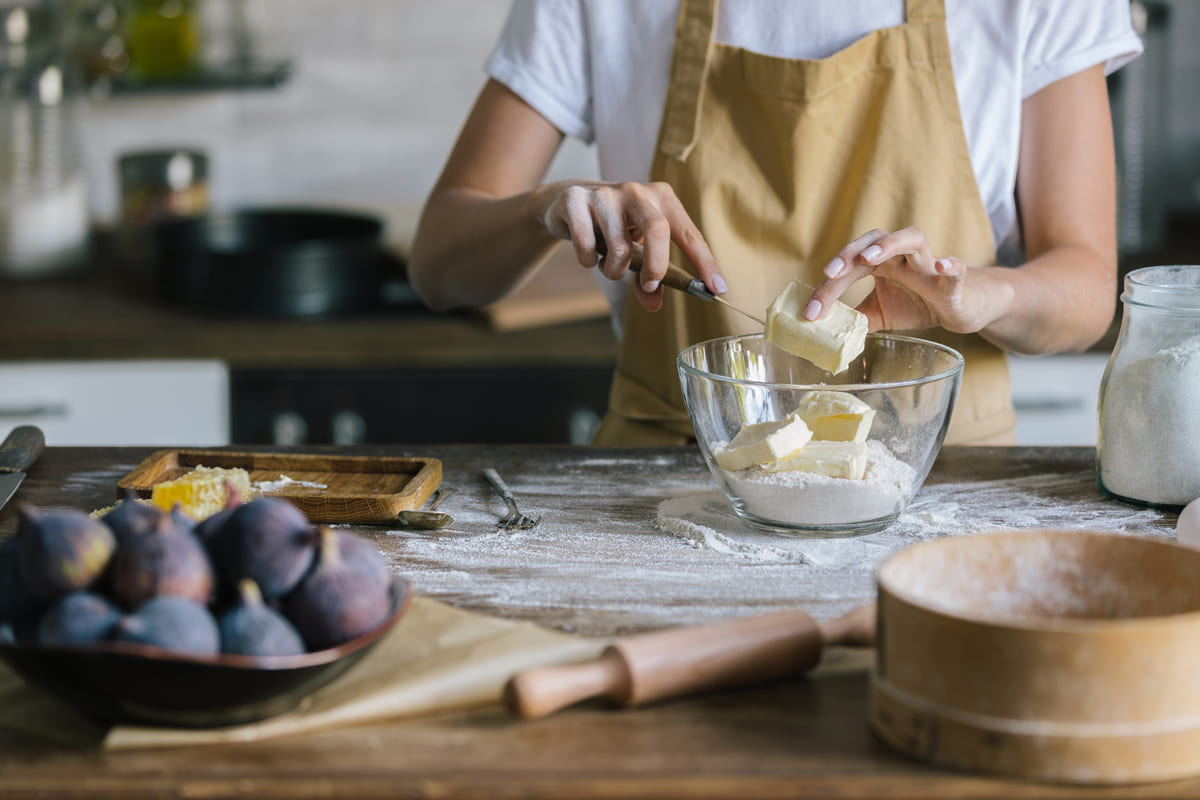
429 518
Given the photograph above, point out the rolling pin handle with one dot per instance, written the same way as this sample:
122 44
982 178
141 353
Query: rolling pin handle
540 691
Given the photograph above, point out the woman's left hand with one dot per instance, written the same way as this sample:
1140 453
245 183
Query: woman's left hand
913 289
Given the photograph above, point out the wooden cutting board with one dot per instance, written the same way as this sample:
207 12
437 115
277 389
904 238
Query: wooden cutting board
327 488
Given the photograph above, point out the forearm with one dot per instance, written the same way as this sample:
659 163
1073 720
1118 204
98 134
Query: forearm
472 249
1061 300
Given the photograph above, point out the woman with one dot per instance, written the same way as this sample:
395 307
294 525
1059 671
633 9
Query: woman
761 138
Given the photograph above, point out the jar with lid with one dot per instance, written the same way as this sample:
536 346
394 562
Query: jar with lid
43 195
1148 450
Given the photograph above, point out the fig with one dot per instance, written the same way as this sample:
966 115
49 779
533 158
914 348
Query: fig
168 560
172 623
346 594
62 550
16 601
206 528
181 520
131 519
78 618
267 540
250 628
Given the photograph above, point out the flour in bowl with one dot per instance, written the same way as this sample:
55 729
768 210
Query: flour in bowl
806 498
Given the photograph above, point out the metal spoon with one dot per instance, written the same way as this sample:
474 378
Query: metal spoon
429 518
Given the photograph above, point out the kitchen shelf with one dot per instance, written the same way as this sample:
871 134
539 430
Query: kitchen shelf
264 75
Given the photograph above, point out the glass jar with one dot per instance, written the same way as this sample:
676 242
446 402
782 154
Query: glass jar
1148 450
43 194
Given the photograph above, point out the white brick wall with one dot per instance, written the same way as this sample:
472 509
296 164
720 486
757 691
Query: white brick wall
378 93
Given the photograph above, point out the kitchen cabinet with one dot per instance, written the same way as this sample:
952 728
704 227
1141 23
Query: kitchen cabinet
405 374
118 402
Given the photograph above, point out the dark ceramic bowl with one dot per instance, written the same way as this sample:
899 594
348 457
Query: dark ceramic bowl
135 683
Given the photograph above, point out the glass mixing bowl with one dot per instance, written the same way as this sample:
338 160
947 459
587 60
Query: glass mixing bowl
911 384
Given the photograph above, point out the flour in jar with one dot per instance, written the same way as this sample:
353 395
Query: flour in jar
805 498
1150 427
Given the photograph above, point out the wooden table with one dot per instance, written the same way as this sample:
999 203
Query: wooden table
795 738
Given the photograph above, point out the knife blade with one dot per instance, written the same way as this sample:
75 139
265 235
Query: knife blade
17 453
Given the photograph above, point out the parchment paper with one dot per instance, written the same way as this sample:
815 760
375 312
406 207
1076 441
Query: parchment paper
437 658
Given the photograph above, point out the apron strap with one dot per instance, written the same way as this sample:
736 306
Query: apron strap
689 67
920 11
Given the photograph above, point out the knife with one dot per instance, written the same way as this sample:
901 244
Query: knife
17 454
681 280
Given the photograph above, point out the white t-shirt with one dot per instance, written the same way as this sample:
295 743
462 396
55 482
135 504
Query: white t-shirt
598 69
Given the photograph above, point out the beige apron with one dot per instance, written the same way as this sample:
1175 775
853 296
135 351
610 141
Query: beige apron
780 163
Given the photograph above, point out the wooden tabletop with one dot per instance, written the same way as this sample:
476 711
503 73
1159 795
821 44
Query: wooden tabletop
804 737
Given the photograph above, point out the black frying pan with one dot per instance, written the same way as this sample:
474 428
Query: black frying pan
275 262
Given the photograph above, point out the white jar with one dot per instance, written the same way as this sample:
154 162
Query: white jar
43 193
1148 450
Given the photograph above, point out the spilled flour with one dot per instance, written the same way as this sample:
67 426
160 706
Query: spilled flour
671 551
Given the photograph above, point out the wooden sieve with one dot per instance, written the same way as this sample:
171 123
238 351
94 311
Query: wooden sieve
1059 655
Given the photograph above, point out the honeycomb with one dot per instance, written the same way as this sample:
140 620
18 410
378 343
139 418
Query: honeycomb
202 492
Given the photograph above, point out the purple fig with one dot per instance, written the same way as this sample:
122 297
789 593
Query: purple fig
267 540
172 623
208 527
252 629
16 602
345 595
166 561
62 550
181 520
78 618
131 518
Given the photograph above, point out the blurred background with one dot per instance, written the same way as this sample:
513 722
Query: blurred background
119 117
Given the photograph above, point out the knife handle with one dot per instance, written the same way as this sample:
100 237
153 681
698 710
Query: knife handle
676 278
21 448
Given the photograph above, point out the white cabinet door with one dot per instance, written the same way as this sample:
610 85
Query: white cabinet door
184 403
1057 397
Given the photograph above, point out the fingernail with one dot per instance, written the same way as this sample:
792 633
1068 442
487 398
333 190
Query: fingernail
872 253
835 267
944 266
649 286
719 286
812 309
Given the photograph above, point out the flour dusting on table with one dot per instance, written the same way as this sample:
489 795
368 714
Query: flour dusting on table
672 551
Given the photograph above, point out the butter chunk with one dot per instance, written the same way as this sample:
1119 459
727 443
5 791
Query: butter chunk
831 459
836 416
831 342
763 442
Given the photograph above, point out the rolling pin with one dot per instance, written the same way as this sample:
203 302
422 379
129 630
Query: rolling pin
695 658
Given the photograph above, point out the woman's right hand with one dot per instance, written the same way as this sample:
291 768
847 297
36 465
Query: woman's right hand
603 221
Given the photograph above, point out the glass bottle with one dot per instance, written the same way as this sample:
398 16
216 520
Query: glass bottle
1148 449
43 194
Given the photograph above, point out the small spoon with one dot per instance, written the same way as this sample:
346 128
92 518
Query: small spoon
429 519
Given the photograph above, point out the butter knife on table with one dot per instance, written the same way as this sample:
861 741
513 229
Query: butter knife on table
17 453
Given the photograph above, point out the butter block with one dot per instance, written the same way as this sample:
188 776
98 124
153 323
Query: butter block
831 459
836 416
831 342
763 442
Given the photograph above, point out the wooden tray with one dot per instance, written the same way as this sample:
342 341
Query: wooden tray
362 489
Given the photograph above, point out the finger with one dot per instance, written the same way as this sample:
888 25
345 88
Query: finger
608 216
950 267
909 243
840 273
651 301
848 255
688 238
570 214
